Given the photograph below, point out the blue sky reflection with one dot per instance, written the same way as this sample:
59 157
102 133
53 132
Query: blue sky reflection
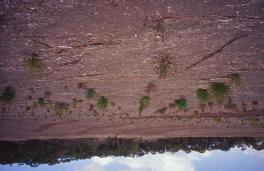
235 159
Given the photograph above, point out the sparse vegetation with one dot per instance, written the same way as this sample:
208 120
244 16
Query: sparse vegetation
202 106
181 103
163 66
90 93
102 102
255 103
150 88
217 120
244 106
161 110
210 104
47 93
112 103
143 103
61 107
230 104
75 102
236 80
158 25
7 94
34 63
172 105
220 91
49 102
28 108
81 86
196 112
202 95
255 122
91 107
66 87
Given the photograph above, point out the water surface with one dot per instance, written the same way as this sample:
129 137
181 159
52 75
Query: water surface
184 154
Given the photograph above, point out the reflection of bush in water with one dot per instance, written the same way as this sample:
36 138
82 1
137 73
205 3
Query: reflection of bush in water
36 152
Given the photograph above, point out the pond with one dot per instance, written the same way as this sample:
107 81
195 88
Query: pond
175 154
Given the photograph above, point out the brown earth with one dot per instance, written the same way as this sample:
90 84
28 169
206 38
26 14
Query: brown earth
114 47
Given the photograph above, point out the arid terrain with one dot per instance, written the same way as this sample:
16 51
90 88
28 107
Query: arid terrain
131 68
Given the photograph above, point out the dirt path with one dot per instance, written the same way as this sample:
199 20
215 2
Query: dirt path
115 47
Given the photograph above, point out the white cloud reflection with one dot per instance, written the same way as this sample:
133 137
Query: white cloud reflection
179 161
259 154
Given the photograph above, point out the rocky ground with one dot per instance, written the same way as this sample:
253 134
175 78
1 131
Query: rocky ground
125 50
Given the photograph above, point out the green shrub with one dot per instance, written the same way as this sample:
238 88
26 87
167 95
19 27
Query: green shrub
143 103
202 95
163 66
236 79
181 103
34 64
90 93
102 102
220 91
41 101
8 94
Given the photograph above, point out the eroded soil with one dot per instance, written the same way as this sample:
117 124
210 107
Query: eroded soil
115 47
